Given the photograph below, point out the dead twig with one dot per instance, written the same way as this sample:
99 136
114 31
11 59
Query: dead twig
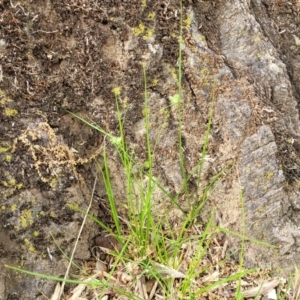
78 236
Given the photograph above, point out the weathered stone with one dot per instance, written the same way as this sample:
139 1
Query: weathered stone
239 58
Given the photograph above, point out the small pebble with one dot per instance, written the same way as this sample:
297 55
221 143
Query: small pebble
108 242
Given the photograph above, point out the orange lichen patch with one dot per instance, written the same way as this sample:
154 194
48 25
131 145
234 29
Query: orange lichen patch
4 99
10 112
51 155
13 207
29 246
4 148
26 218
148 34
151 15
139 29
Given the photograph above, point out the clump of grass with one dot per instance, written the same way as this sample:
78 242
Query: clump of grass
158 254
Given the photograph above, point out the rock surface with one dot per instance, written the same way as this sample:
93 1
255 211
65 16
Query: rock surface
239 57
